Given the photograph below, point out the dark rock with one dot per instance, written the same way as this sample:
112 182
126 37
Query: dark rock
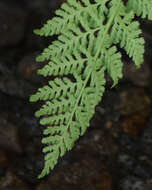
135 159
42 6
29 167
126 162
148 185
128 144
12 182
2 171
87 174
133 125
4 162
139 77
146 138
133 101
33 41
143 170
107 113
32 124
9 139
28 67
108 106
15 87
92 160
132 183
13 106
146 141
3 159
37 4
32 161
100 144
4 70
12 24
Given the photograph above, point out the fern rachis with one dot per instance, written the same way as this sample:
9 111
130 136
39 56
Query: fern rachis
86 47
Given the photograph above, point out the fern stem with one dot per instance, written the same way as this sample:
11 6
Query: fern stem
106 30
78 99
89 74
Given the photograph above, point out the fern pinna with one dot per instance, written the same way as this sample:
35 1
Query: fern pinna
88 32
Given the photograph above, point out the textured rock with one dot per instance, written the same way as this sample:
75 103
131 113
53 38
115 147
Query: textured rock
9 139
131 183
12 28
12 182
133 125
146 141
3 158
148 185
16 87
79 176
133 101
27 68
139 77
88 166
42 6
135 160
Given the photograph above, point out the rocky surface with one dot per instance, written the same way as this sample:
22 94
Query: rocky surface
13 23
114 154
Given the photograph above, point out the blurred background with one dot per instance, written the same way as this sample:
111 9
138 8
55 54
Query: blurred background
116 151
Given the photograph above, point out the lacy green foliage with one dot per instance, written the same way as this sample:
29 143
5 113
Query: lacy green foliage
88 32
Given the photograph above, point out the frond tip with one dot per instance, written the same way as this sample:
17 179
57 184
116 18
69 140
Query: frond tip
88 35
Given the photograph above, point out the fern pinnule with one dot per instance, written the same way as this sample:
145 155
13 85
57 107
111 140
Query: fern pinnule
141 8
128 36
69 13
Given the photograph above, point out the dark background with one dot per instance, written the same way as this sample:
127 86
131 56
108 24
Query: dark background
114 154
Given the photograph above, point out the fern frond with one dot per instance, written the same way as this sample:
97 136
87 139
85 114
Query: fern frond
85 49
141 8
